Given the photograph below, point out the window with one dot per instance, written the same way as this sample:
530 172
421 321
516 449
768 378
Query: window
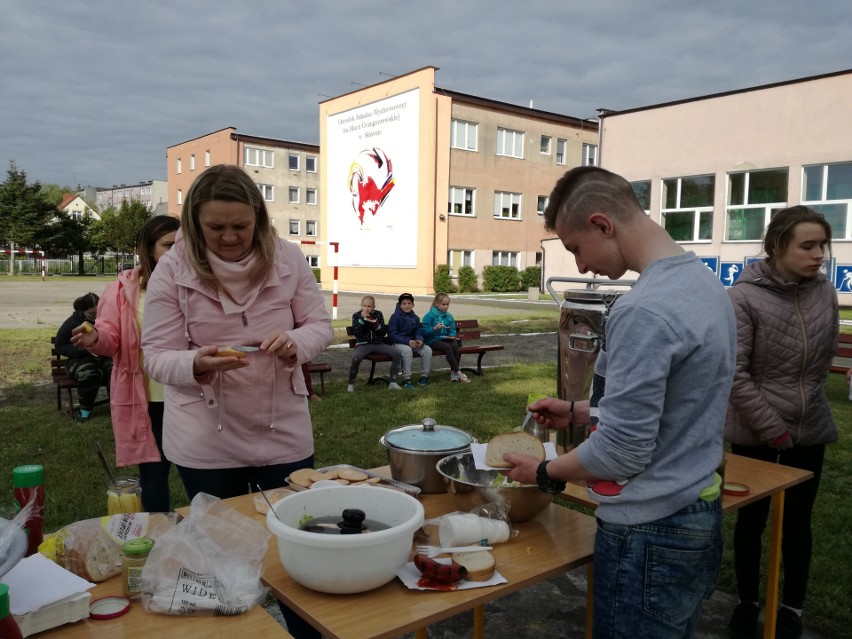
311 163
311 228
507 205
560 150
180 196
541 204
207 158
510 143
179 166
311 197
293 159
828 189
460 201
192 162
504 258
688 207
294 227
642 189
293 197
458 258
590 155
463 135
313 260
268 192
258 157
545 144
753 197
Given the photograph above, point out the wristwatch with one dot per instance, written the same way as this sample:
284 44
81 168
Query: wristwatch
547 484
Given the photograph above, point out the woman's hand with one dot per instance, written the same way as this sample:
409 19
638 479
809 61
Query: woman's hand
278 343
84 336
207 361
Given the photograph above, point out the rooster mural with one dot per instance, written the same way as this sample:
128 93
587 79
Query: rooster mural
370 182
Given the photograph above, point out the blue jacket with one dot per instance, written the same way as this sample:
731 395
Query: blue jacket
404 327
436 316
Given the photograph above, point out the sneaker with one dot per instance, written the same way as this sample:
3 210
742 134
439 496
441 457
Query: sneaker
464 378
454 377
743 624
789 624
84 415
423 380
408 385
350 389
394 386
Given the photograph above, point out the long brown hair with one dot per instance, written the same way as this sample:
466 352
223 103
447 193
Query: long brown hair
226 183
780 230
149 234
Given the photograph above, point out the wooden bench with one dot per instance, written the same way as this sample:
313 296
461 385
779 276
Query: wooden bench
64 382
321 369
466 331
844 351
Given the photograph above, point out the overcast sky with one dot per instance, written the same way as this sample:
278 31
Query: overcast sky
93 92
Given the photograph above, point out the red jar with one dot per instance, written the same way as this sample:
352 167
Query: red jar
26 485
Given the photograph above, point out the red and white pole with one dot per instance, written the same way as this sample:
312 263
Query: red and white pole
336 246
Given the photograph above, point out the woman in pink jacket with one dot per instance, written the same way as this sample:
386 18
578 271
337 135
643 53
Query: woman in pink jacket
232 423
136 401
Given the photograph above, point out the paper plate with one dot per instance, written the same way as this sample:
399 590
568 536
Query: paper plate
13 545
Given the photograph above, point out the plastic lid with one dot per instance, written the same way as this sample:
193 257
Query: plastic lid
428 437
108 607
139 546
4 600
27 476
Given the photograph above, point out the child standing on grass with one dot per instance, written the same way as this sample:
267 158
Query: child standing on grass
439 332
371 334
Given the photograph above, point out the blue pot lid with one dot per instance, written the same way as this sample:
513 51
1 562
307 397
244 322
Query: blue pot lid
428 437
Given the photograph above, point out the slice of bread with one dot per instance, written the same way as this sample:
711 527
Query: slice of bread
229 352
514 442
480 564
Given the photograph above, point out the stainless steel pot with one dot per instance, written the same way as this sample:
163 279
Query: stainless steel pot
415 450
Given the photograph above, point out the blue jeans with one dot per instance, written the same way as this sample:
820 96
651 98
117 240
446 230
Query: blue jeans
651 579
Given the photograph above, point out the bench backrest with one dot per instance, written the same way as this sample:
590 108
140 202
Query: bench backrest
465 329
57 361
844 345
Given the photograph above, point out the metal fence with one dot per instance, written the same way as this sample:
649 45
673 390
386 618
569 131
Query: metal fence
92 265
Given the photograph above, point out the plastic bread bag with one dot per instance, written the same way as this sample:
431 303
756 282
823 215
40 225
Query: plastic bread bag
484 525
209 564
91 548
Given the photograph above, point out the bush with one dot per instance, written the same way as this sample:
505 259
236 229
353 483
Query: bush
501 279
468 280
531 277
317 274
442 281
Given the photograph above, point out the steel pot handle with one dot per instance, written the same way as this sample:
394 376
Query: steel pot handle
428 424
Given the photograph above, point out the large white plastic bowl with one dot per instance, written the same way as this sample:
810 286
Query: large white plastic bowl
342 564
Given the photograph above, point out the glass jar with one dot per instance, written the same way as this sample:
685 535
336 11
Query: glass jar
135 554
124 496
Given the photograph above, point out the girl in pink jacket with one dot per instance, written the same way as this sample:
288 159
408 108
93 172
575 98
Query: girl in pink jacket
236 421
136 401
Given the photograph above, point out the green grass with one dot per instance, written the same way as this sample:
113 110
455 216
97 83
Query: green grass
347 430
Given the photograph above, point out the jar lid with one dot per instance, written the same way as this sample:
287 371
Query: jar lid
129 483
138 546
27 476
427 436
108 607
4 600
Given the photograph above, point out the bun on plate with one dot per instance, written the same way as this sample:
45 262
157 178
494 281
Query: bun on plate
514 442
480 564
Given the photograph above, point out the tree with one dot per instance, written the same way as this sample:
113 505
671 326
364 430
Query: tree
118 229
54 193
65 236
24 212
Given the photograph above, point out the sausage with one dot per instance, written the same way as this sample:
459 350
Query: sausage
436 571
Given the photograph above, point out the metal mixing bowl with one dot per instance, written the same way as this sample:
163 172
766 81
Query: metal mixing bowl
471 487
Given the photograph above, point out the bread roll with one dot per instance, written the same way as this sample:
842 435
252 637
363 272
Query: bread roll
229 352
480 564
515 442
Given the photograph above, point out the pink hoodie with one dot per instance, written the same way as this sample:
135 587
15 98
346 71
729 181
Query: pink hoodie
118 337
262 409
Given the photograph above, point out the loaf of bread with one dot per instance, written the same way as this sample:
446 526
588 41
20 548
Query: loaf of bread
480 564
515 442
91 548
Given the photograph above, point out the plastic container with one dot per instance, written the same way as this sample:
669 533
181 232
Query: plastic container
135 554
8 626
124 496
27 485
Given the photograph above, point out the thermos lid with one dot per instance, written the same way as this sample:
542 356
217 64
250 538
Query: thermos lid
27 476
